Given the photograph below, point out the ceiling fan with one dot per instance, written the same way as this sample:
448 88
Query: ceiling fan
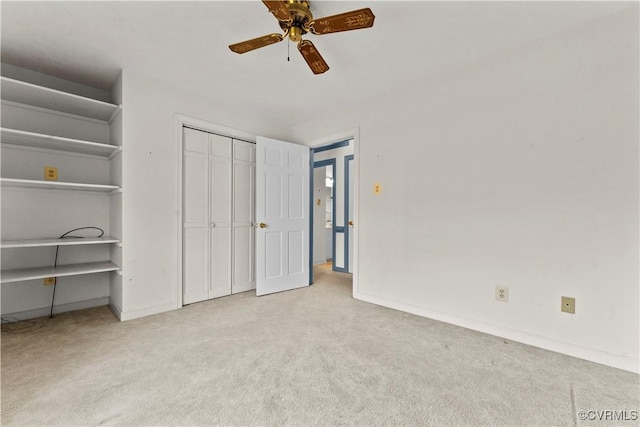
296 20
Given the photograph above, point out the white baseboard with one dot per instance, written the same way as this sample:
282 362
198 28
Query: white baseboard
115 308
135 314
590 354
57 309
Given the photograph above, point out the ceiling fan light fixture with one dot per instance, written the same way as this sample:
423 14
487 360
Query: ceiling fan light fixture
295 34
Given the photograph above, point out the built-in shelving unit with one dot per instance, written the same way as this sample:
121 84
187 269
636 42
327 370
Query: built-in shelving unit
46 127
50 142
24 274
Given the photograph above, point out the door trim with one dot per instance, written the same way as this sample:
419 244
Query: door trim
199 124
348 231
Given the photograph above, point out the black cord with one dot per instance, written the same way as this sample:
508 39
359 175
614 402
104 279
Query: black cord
55 262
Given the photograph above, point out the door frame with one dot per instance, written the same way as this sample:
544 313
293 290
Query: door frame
203 125
325 141
348 231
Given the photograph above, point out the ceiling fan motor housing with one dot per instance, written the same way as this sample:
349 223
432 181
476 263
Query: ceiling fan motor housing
301 16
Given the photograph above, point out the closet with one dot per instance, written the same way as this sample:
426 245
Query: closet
218 215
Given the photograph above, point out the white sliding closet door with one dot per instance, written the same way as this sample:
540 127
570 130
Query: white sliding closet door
218 212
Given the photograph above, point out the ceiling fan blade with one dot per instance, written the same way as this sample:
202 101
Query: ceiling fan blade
313 57
256 43
279 9
354 20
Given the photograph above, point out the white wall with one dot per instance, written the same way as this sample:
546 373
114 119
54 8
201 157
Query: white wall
150 193
520 171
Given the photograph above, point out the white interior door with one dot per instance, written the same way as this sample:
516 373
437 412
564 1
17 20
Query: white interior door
282 214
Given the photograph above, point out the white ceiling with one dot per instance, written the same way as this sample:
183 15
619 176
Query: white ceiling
184 44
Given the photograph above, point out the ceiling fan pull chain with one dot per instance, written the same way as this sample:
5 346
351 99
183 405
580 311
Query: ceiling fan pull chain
288 46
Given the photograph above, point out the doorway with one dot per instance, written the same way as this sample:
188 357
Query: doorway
332 204
324 212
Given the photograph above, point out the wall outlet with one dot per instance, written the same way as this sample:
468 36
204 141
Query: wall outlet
48 281
502 293
377 188
568 305
50 173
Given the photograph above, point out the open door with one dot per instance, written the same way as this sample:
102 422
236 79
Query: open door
282 215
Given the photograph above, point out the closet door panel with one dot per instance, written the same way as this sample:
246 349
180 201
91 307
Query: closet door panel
220 186
243 261
220 193
220 262
243 216
220 146
196 265
196 193
195 215
243 194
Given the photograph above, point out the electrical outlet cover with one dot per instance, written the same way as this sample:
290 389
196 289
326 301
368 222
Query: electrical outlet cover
50 173
502 293
568 305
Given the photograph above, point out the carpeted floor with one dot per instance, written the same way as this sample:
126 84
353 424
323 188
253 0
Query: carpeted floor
312 356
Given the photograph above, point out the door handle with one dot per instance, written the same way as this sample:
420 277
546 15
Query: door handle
261 225
350 222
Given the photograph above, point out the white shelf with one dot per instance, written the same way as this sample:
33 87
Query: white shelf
38 140
56 185
44 97
37 243
22 274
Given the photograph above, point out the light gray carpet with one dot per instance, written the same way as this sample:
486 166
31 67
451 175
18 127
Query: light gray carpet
313 356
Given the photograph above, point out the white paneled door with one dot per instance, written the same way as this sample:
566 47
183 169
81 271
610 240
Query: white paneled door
282 214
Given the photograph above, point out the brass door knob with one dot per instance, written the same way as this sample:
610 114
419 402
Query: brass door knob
350 222
262 225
